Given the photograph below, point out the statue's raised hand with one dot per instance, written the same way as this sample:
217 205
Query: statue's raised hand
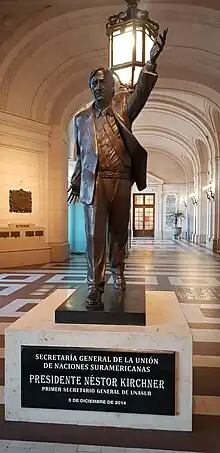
158 46
73 195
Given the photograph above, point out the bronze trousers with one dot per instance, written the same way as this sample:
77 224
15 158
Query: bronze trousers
107 216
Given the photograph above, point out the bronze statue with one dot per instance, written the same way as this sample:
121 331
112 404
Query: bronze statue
109 161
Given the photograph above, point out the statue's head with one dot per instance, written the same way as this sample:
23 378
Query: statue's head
101 83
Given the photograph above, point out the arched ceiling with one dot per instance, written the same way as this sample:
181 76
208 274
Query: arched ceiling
47 49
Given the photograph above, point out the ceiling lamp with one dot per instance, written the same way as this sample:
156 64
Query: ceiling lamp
131 37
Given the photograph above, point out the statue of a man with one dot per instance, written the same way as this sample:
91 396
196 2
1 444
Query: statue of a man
109 161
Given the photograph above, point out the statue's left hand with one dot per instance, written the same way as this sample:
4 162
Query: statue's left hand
158 46
73 196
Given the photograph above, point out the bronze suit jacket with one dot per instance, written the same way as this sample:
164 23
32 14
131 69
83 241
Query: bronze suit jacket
125 107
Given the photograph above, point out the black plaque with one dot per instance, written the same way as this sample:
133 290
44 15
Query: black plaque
98 380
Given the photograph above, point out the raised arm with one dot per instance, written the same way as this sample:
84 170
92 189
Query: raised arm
137 100
74 188
147 79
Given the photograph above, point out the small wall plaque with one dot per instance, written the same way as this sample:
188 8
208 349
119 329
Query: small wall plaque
20 201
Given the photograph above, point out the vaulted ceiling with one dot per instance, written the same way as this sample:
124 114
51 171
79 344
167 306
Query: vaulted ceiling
48 47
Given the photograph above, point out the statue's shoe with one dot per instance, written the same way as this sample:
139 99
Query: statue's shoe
93 300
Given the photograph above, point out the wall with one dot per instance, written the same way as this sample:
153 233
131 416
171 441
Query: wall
24 157
24 164
57 194
76 231
179 192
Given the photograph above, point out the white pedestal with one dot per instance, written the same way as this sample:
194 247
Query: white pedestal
166 330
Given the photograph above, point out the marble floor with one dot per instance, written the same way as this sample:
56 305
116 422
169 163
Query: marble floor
161 265
42 447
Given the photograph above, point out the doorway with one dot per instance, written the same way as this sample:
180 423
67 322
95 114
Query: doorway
143 215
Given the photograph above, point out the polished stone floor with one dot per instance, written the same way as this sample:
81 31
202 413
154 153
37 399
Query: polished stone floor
162 265
36 447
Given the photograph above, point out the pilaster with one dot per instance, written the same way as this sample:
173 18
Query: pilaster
58 184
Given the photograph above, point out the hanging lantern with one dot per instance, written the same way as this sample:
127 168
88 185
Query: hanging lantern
131 37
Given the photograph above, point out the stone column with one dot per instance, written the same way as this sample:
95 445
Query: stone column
158 190
201 230
189 212
58 180
195 223
162 213
216 239
210 224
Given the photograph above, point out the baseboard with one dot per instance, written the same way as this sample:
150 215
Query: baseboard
25 257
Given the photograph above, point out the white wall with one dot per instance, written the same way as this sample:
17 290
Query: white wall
24 148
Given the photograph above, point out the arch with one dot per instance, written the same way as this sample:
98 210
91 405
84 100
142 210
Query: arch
204 155
47 32
215 117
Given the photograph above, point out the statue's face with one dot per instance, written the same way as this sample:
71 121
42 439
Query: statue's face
102 86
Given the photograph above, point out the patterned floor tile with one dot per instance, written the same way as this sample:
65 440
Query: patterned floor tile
13 308
197 293
17 278
9 288
194 281
62 278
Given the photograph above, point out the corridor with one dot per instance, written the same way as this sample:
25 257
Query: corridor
162 265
